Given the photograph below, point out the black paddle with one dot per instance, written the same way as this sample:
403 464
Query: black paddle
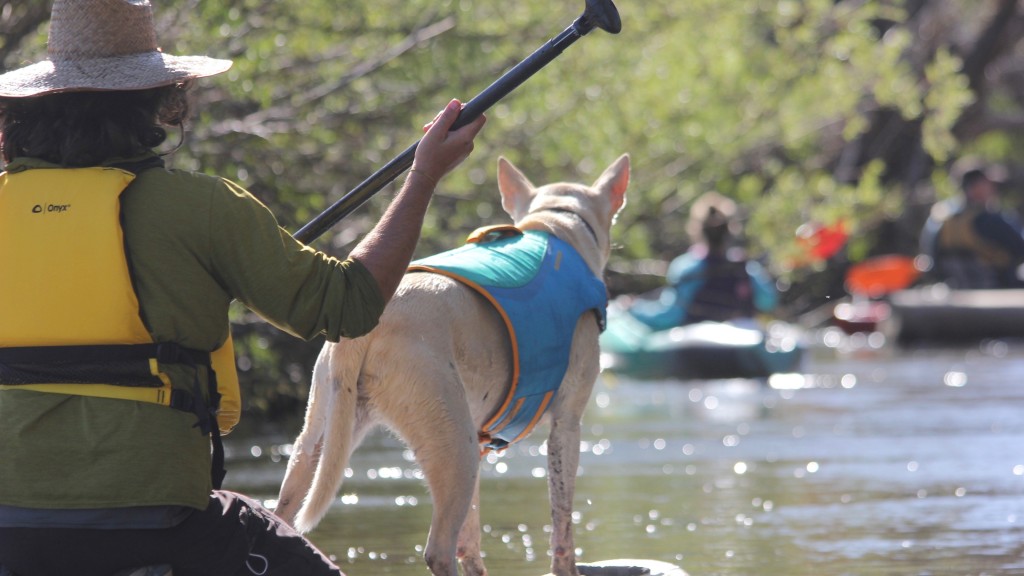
597 14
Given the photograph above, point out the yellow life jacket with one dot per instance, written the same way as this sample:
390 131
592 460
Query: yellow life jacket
958 236
71 321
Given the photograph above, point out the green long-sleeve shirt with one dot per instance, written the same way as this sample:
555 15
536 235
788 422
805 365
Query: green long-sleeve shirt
194 244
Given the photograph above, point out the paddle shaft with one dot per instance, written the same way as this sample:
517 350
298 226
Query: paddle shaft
470 111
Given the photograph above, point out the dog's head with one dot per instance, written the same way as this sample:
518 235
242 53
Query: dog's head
578 214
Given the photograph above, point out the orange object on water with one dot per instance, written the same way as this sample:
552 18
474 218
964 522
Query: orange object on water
881 275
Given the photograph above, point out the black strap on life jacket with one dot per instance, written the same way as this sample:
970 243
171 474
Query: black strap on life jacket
123 365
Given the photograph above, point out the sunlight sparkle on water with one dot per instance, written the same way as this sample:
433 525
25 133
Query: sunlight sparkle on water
955 379
387 472
788 381
597 448
406 501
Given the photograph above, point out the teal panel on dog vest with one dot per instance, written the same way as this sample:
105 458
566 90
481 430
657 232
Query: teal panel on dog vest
540 286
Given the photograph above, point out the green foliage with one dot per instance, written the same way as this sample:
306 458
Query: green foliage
766 101
948 94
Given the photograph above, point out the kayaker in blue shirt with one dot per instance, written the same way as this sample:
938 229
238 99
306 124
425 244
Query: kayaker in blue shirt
713 280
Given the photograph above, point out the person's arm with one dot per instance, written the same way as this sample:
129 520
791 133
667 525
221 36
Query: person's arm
1000 231
387 250
766 297
282 280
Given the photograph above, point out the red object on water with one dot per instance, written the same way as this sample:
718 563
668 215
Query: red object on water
822 242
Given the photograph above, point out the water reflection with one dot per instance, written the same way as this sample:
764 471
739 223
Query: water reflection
903 462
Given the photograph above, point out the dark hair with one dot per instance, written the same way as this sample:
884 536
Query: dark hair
77 129
970 177
715 227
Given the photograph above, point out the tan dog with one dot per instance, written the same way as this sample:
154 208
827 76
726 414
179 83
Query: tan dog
439 367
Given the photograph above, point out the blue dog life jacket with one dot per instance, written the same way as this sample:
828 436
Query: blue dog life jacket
540 286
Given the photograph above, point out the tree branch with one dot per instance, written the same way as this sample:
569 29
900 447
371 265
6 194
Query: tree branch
282 115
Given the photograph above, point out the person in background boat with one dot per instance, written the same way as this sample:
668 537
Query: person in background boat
118 275
972 243
713 280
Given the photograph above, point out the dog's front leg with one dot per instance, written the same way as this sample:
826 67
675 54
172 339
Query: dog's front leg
563 460
469 538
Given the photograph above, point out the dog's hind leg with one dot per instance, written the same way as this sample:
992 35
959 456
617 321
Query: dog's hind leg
447 451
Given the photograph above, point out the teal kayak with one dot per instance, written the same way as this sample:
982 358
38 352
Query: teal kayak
700 351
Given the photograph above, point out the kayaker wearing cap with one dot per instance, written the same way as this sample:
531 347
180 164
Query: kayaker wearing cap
118 274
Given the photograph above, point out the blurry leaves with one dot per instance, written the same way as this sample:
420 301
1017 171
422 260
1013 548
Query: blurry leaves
805 111
947 96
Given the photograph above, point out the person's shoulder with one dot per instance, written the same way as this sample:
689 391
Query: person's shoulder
992 220
686 260
188 183
687 264
187 177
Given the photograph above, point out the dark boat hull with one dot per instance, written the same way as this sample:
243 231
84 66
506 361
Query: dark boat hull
938 314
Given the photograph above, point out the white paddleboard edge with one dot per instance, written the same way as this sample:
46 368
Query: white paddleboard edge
655 567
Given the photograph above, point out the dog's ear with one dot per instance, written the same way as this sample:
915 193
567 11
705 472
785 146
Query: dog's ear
516 190
615 179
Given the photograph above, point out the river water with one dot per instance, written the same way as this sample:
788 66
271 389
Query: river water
872 461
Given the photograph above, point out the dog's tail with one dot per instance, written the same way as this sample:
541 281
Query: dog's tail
329 432
305 456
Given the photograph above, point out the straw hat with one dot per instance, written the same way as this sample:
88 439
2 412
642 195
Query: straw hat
98 45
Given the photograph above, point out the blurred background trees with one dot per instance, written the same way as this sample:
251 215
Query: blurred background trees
813 113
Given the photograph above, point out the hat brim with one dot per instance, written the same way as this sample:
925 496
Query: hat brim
131 72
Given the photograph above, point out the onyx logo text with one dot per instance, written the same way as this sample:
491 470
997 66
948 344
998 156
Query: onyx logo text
39 209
